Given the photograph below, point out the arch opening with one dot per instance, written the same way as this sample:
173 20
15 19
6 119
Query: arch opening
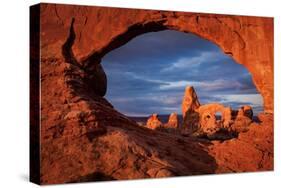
171 60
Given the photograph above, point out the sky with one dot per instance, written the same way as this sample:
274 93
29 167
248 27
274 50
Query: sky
149 75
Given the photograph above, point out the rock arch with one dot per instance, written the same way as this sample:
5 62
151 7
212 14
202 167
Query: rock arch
75 115
209 111
249 40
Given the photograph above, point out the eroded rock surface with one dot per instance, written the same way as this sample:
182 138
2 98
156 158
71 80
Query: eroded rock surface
84 138
190 102
203 117
246 111
190 105
244 38
251 151
208 122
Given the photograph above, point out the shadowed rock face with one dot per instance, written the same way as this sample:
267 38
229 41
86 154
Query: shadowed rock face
84 138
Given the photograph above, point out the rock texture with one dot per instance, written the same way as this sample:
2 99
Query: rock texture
243 119
203 117
251 151
208 121
227 117
246 111
190 105
84 138
153 122
190 102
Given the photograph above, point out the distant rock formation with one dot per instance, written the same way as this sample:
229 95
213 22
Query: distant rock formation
208 122
153 122
227 118
243 119
198 117
173 121
190 104
202 118
246 111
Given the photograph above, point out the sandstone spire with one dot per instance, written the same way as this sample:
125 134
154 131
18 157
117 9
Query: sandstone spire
190 101
173 121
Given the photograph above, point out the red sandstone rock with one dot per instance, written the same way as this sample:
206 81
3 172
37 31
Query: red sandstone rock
241 124
244 38
191 122
190 102
208 122
227 117
84 138
173 121
153 122
243 119
251 151
246 111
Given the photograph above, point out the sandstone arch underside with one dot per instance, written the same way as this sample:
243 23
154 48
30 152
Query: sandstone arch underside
249 40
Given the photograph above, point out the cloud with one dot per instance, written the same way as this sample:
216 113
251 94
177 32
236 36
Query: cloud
147 104
178 85
193 62
149 74
254 100
203 85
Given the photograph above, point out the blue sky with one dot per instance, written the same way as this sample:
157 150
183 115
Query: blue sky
149 74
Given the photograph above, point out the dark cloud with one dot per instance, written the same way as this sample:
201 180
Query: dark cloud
149 74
